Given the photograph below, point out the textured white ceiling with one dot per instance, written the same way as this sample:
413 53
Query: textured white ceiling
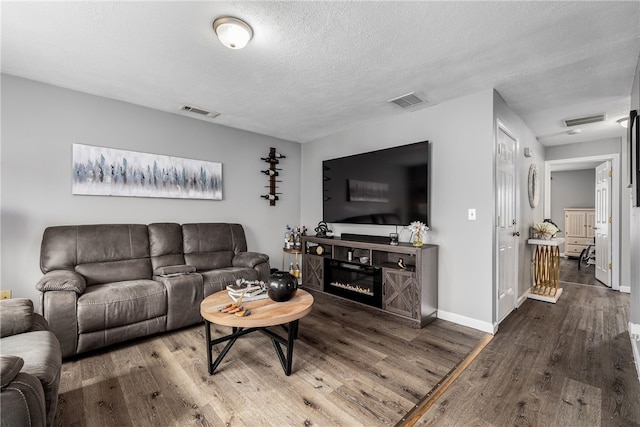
314 68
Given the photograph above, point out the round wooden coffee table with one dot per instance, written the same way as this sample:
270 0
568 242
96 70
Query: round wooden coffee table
264 313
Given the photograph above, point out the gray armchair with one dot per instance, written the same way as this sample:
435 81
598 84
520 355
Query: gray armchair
30 365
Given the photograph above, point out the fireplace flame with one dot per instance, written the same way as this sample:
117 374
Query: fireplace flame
354 288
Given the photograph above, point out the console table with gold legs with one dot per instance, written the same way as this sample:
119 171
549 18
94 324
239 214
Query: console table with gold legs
546 269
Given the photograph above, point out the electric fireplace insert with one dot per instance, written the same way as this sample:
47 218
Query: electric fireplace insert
357 282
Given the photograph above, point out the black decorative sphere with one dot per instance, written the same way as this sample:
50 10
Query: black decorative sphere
282 286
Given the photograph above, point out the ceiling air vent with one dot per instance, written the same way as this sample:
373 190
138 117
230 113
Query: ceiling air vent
585 120
407 101
196 110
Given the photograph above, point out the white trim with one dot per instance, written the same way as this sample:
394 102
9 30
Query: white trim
625 289
467 321
522 298
615 203
634 329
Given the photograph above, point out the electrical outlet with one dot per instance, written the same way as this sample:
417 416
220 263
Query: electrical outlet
5 294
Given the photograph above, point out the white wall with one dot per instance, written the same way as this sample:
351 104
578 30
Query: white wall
39 124
571 189
461 136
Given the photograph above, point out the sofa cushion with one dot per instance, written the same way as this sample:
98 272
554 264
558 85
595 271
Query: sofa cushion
40 351
16 316
217 280
9 367
165 240
64 247
116 304
115 271
209 260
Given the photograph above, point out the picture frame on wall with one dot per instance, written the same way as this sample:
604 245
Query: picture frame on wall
102 171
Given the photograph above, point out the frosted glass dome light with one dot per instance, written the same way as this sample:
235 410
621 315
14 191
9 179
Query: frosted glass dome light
232 32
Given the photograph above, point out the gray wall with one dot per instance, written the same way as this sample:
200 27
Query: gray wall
461 133
571 189
39 124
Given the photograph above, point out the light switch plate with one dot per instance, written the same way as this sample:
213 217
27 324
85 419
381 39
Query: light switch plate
472 214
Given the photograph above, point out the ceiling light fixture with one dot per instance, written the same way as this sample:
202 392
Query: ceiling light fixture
232 32
624 122
574 131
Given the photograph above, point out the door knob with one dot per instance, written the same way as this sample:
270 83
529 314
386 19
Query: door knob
516 233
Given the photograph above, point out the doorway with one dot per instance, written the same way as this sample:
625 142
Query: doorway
593 162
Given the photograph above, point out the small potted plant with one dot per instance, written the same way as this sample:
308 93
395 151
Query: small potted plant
418 229
545 230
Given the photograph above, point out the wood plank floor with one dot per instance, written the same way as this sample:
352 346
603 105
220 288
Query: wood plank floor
564 364
352 366
569 272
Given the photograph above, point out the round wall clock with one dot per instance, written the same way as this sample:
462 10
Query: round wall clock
534 186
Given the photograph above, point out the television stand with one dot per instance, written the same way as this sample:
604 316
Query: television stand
372 275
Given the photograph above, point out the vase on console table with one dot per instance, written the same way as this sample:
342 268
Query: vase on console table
417 228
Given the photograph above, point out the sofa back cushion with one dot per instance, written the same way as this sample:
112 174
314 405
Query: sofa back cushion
166 244
212 245
102 253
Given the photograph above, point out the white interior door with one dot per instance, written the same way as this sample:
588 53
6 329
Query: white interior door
603 223
506 222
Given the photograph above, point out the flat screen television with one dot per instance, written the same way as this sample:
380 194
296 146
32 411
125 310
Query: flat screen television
389 186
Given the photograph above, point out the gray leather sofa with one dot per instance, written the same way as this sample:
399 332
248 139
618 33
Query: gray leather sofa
30 362
109 283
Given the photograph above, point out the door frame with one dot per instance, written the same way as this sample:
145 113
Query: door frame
580 163
496 312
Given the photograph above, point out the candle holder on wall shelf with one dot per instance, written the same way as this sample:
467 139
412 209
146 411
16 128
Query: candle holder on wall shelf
273 159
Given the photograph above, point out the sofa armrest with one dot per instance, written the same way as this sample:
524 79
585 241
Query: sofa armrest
62 280
174 270
10 366
22 401
249 259
16 316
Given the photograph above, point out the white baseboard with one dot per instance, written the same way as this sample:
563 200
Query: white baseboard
522 298
634 334
467 321
625 289
634 331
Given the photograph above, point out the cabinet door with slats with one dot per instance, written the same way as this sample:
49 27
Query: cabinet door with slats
313 272
400 294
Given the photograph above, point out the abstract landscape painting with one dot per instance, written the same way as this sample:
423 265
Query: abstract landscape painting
112 172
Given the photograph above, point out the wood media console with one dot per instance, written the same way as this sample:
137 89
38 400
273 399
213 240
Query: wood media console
363 270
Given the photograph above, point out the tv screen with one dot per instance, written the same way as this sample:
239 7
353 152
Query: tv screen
389 186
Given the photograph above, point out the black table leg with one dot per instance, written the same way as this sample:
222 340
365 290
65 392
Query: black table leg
277 340
207 333
292 333
237 333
